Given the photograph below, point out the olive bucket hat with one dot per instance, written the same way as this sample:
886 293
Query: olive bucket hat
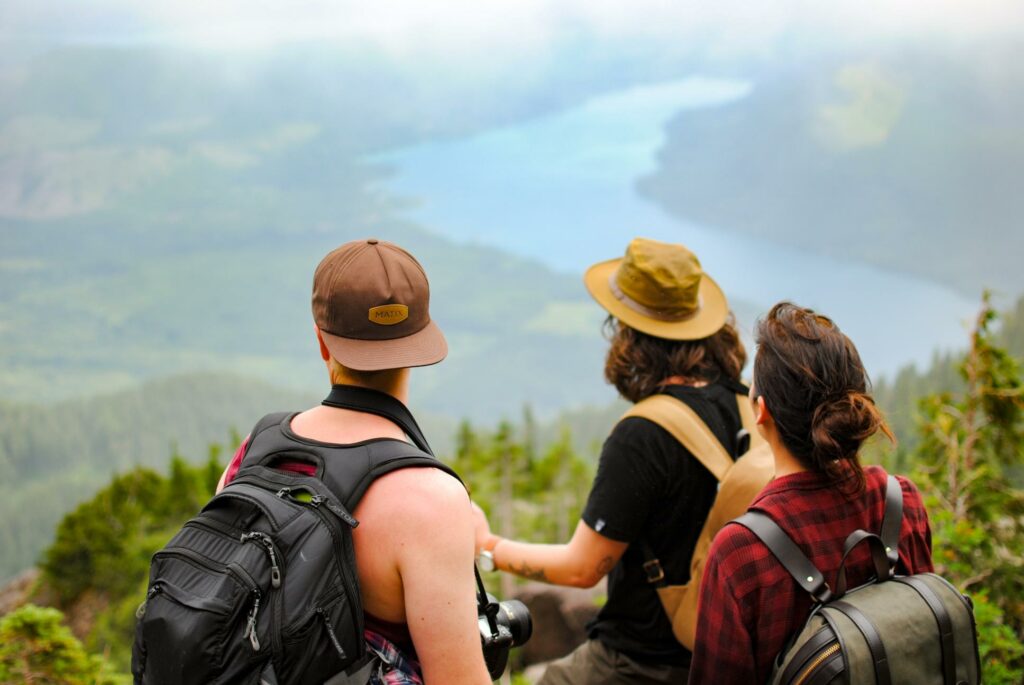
371 302
659 289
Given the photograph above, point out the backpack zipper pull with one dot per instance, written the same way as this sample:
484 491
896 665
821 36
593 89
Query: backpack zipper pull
334 509
141 611
330 633
264 541
250 627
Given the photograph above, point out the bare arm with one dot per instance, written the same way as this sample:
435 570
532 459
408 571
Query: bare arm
223 477
436 566
582 562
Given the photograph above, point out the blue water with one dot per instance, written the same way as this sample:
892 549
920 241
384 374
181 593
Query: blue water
560 189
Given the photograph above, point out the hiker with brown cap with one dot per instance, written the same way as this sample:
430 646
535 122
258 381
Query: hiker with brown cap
672 337
413 545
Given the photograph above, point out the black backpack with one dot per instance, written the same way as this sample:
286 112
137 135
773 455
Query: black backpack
895 629
261 586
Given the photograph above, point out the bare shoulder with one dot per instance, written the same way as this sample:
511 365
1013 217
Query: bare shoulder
419 495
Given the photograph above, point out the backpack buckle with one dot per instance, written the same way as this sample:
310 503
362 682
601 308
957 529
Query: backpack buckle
653 571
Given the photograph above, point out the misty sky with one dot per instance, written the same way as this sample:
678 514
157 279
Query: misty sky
476 37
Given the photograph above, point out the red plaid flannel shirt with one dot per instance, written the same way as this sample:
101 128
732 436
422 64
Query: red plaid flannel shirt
750 605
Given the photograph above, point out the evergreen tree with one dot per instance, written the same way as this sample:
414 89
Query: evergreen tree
968 442
35 647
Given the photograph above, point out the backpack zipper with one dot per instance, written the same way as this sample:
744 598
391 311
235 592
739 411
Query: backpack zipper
330 633
818 661
331 521
335 509
264 541
318 500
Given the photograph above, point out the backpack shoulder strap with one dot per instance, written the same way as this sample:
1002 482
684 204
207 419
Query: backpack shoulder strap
351 478
805 573
892 520
268 421
682 423
381 404
346 470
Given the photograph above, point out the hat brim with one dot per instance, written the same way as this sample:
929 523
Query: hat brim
712 315
423 348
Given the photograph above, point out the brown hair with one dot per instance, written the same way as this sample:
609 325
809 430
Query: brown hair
638 364
817 391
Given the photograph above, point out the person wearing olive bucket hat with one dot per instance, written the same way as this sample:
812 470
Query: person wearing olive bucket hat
414 540
671 333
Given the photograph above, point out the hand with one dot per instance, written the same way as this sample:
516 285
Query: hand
482 530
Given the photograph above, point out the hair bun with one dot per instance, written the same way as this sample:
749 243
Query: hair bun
841 425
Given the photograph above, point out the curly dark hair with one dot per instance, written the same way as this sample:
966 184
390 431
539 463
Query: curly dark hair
817 391
638 364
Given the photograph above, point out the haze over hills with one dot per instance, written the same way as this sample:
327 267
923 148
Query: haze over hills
161 209
909 158
141 239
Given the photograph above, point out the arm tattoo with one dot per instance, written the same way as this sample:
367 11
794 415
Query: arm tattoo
527 571
606 565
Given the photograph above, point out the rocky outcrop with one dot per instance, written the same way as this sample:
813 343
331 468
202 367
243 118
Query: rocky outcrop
18 590
560 615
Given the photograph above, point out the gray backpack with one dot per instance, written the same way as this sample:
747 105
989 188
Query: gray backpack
895 629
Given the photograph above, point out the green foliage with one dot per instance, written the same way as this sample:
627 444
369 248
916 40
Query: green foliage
526 495
969 440
900 396
35 647
1000 648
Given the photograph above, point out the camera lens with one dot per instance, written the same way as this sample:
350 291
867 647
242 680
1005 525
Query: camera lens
503 625
516 617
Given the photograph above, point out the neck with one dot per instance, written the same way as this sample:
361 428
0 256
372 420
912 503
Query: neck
394 382
400 388
785 463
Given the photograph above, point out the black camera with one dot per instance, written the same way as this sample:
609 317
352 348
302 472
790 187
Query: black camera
503 625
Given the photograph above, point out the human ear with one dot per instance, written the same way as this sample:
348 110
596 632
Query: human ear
325 354
761 414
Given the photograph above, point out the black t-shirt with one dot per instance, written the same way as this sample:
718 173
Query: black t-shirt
650 488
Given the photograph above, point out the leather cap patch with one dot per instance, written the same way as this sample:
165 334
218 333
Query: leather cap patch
389 314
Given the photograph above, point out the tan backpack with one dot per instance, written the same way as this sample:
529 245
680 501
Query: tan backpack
739 482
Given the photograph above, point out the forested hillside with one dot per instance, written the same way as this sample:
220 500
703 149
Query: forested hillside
141 303
58 455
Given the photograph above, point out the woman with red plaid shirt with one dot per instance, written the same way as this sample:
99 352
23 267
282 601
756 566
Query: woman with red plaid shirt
810 397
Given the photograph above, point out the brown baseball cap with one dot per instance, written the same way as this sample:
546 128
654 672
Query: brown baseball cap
371 302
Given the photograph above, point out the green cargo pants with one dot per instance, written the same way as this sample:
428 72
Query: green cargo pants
593 663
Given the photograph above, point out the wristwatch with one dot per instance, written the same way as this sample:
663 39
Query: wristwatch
486 560
486 557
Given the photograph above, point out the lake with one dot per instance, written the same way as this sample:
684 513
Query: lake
561 189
